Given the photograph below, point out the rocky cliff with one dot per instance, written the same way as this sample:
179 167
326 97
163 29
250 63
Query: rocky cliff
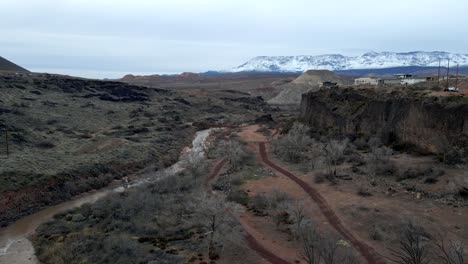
426 123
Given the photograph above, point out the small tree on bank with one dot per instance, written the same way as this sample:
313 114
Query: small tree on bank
333 152
234 153
292 146
413 245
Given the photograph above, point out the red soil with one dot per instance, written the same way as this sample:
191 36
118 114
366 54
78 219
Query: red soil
366 251
252 241
255 245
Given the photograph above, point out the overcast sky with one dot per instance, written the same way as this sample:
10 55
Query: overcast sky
109 38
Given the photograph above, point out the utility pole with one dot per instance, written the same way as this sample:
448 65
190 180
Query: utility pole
6 141
448 70
456 80
438 76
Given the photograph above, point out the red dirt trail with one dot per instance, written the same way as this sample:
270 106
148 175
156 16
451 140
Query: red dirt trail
262 251
366 251
253 243
216 170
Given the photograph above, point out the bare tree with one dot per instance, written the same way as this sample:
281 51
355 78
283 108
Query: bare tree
322 248
316 155
311 239
378 152
292 146
378 158
333 152
279 212
196 165
349 257
449 251
413 247
215 217
298 212
234 153
328 249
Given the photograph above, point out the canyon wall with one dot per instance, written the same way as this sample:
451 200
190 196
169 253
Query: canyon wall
428 124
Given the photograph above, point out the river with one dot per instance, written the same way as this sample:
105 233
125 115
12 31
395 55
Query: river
15 246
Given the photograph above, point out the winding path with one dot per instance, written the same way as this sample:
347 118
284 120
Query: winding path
365 250
214 173
262 251
253 243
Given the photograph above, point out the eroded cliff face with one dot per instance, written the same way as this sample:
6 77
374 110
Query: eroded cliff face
428 124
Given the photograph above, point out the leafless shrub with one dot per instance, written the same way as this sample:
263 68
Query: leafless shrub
236 180
361 143
331 178
311 252
315 154
280 214
260 202
196 165
382 154
238 196
378 161
234 152
356 158
349 257
292 146
319 248
329 249
413 245
277 197
453 155
319 178
449 251
411 173
374 142
277 203
298 213
212 213
333 152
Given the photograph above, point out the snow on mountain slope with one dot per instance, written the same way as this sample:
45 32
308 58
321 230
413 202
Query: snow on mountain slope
370 60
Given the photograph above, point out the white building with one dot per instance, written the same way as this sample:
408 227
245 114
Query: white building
366 81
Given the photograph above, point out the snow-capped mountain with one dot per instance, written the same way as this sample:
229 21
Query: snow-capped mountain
370 60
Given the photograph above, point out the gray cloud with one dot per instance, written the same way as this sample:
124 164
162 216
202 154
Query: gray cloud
109 38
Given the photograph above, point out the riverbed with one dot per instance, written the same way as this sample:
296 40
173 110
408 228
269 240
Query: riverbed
15 246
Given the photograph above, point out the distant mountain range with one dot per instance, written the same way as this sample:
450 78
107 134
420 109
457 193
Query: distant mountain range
414 70
337 62
6 65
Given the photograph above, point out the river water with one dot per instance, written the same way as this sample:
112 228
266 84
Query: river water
15 247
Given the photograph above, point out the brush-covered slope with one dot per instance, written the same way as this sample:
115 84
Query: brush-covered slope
69 135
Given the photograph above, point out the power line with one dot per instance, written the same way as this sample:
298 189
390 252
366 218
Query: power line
6 141
448 70
438 76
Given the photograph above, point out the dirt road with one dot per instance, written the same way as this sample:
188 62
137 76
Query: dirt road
366 251
262 251
214 173
252 241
